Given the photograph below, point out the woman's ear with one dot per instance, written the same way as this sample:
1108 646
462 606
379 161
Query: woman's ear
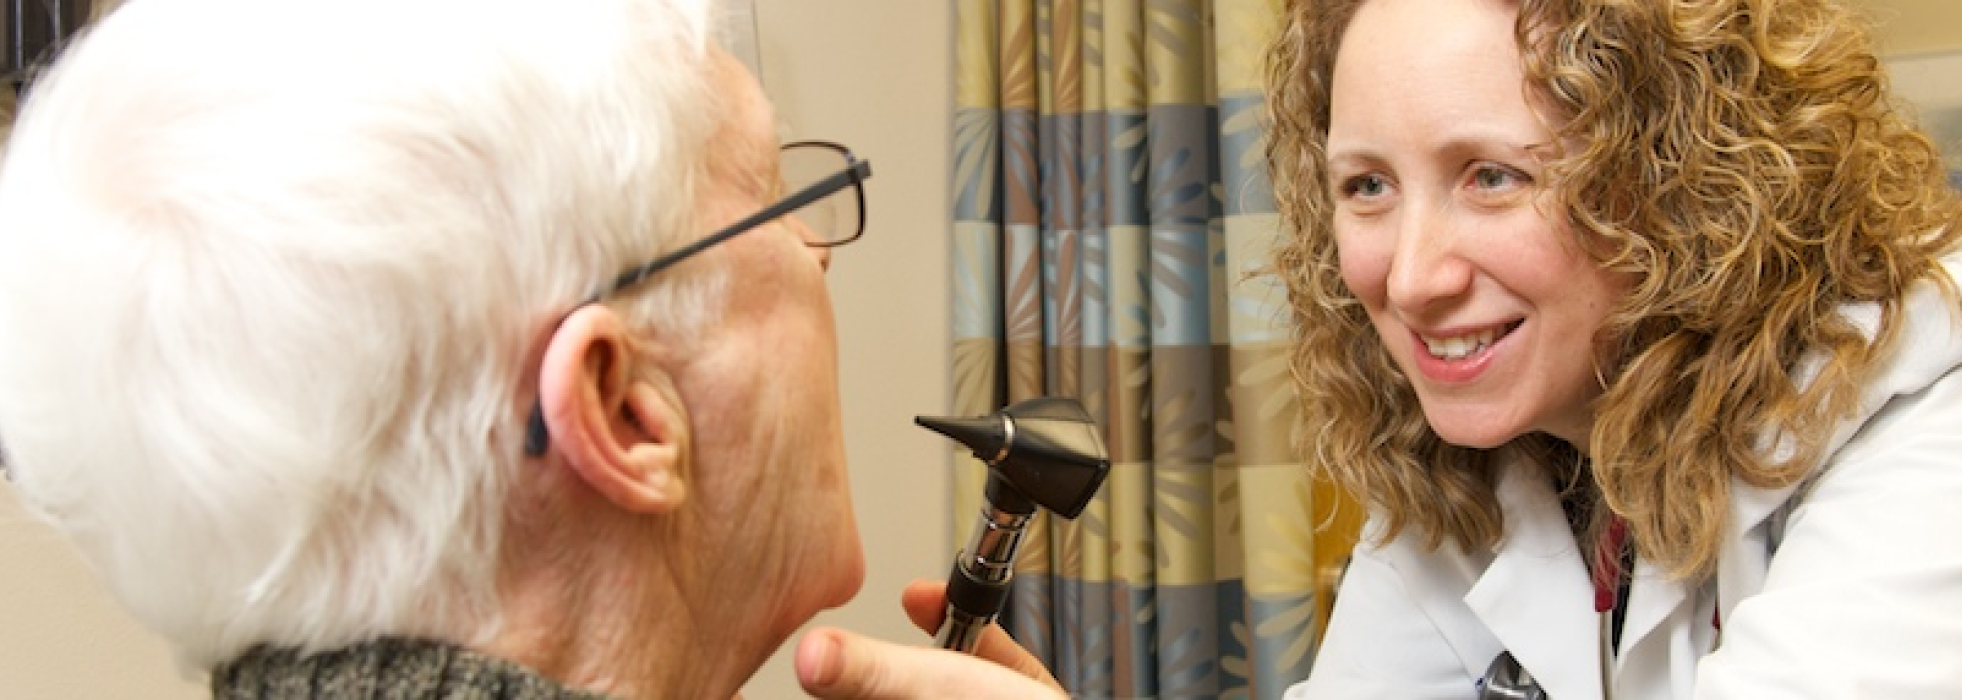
613 420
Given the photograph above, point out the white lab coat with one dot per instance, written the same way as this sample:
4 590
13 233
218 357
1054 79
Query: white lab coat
1859 597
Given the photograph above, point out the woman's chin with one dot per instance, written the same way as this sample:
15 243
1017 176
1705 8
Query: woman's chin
1477 435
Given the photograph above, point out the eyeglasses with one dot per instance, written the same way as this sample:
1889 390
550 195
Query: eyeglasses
826 192
827 197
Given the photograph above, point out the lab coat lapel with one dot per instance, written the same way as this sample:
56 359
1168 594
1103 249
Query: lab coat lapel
1535 596
1652 596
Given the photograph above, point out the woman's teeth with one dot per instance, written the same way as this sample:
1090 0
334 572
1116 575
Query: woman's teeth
1460 347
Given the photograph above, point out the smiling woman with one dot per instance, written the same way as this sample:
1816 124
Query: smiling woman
1487 306
1624 319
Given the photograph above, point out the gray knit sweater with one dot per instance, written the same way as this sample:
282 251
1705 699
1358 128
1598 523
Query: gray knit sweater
387 669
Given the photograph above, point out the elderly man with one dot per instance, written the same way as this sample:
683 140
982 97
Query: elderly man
430 348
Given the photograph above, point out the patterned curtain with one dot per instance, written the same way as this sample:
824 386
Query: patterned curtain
1111 215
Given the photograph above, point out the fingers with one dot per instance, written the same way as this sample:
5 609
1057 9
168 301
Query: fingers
837 665
829 666
926 605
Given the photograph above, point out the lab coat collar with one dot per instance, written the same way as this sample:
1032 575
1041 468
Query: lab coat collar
1928 346
1535 596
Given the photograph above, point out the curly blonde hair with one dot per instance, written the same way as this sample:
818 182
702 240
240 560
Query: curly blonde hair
1742 161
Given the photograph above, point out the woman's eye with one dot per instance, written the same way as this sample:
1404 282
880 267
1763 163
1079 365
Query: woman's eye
1492 177
1365 186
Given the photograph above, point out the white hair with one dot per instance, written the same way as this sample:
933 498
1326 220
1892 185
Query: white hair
275 275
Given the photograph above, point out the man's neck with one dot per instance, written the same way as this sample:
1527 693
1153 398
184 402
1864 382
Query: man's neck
625 618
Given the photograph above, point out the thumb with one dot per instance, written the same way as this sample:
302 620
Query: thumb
837 665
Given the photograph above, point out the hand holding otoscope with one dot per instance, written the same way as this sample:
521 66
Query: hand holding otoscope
1044 452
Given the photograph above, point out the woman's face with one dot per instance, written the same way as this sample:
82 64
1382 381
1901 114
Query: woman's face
1446 227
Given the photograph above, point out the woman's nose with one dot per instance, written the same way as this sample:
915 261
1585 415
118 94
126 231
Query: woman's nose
1426 266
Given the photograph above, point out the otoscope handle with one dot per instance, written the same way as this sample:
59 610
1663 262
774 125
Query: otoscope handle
978 585
972 605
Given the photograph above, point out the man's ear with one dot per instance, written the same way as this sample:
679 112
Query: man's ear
620 431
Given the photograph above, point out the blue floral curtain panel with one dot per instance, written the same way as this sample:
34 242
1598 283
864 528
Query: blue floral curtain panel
1111 216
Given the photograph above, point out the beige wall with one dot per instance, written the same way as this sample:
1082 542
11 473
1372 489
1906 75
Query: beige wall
1917 26
61 636
873 74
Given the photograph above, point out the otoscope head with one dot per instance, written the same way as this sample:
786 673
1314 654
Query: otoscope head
1045 450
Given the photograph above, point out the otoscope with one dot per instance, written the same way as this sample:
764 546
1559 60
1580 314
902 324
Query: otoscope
1043 452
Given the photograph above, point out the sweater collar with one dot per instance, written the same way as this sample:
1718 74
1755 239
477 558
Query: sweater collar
384 668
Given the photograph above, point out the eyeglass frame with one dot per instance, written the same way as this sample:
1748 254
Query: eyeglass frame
856 172
538 437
